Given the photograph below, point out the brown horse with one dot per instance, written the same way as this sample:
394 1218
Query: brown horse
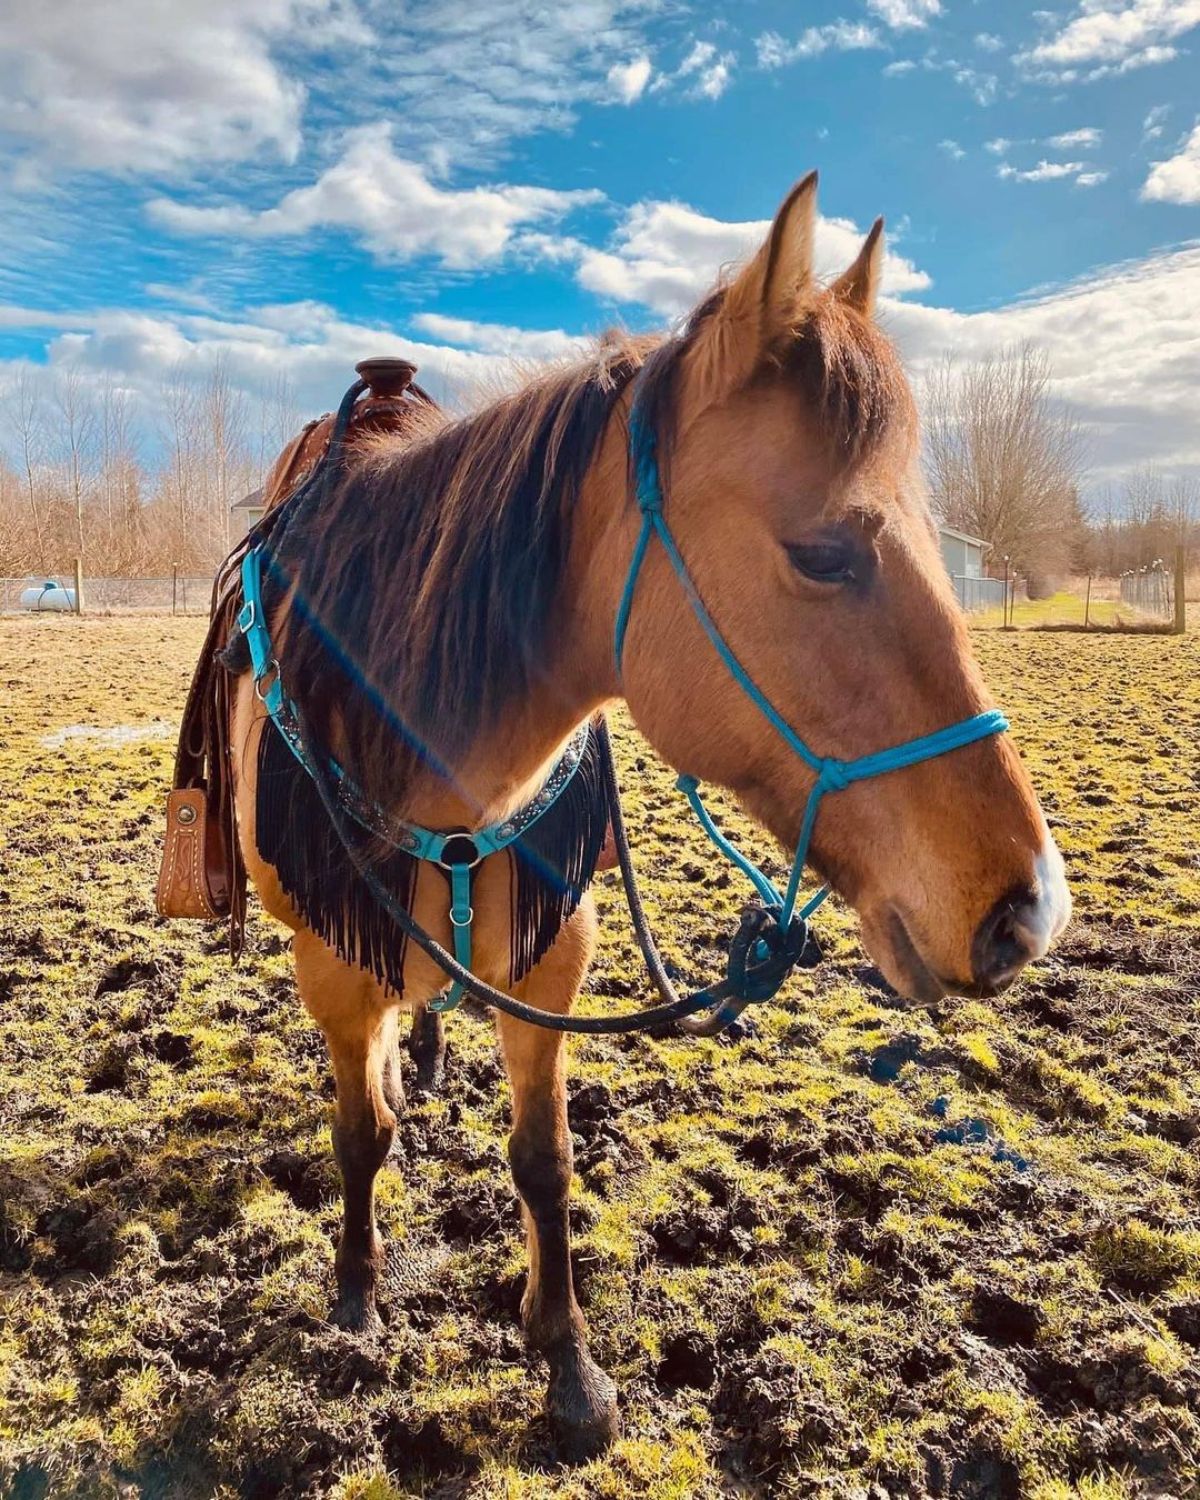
468 578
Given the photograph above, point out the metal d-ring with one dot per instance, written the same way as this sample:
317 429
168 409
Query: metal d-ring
452 864
270 670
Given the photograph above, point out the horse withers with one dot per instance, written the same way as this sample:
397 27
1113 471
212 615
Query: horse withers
444 620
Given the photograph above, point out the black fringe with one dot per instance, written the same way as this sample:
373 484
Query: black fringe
552 865
293 834
554 862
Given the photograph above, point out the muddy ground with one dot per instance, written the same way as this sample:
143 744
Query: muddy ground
873 1251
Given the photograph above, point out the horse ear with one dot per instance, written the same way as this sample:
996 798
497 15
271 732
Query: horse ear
764 296
761 304
858 286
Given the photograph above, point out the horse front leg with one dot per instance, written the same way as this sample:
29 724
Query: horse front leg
581 1399
360 1028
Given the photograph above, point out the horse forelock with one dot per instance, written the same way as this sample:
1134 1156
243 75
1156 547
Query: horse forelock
841 364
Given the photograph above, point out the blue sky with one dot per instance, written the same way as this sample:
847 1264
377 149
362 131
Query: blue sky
292 183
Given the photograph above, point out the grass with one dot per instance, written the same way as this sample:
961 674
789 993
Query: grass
871 1251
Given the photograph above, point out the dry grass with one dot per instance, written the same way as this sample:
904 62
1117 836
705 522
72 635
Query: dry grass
934 1253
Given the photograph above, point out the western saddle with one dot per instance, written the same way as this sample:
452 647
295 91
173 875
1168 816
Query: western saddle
202 873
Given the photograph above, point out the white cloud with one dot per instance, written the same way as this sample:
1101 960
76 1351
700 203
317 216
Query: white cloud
1155 122
904 14
500 338
999 146
1091 179
1109 36
628 80
774 51
307 341
136 85
391 204
952 149
1086 138
1045 171
461 79
1176 180
1124 346
988 41
666 256
711 69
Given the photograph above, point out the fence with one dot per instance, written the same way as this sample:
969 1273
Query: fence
1148 590
178 594
978 593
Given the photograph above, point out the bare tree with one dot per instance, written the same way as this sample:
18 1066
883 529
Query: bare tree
279 421
76 427
26 419
1003 460
225 409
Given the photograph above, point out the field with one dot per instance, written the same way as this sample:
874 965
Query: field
872 1251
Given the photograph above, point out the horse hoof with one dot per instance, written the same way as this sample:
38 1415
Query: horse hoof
582 1403
357 1314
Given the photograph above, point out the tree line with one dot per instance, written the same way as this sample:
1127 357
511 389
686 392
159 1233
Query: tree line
85 473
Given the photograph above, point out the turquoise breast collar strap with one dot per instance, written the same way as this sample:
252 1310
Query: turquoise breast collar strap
457 854
832 775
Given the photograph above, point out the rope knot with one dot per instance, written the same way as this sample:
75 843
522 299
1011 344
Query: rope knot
834 775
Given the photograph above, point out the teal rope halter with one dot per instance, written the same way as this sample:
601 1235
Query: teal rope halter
832 775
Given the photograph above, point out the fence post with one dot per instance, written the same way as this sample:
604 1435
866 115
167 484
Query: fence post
1180 591
174 587
1087 603
79 585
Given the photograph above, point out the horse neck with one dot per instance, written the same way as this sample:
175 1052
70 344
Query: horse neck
508 764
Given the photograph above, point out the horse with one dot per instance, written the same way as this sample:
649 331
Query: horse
446 620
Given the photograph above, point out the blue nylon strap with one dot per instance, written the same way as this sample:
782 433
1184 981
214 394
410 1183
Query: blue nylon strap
769 896
461 917
832 775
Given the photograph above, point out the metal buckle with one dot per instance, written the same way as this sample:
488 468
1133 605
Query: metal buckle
246 617
467 920
466 860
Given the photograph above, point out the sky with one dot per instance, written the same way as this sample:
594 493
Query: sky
291 185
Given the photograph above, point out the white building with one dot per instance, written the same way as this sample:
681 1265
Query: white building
963 555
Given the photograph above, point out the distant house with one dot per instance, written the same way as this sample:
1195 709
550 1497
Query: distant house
962 554
249 509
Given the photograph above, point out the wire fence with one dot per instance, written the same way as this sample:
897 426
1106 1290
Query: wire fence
1149 591
975 594
177 594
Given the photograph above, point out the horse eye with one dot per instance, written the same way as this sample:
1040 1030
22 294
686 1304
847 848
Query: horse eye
824 562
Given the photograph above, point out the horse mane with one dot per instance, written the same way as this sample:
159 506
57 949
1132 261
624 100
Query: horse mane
421 593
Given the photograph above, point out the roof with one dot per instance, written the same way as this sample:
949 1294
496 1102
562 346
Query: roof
252 501
964 536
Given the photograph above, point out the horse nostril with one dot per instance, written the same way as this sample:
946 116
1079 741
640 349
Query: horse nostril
1007 939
